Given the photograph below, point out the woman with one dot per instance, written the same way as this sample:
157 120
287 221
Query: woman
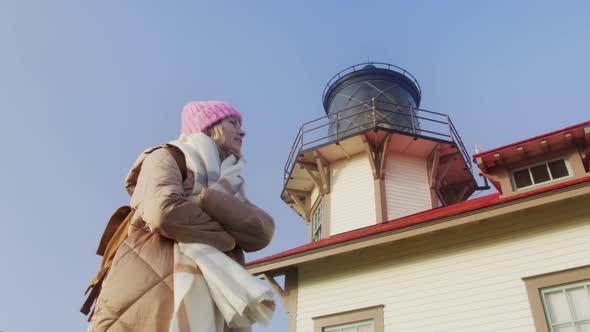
138 293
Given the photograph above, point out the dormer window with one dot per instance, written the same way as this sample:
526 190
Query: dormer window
540 173
316 223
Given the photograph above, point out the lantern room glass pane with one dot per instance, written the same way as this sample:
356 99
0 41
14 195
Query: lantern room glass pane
394 107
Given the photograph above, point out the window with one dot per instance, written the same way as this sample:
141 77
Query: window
316 223
540 173
567 308
361 320
366 326
560 301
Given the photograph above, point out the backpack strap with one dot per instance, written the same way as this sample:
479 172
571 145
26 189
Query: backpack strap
115 233
179 157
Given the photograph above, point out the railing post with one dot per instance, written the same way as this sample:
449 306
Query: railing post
450 129
301 141
412 119
374 112
337 124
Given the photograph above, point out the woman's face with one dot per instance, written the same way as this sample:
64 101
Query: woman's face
234 135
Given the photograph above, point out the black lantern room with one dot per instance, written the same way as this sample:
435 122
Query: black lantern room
372 95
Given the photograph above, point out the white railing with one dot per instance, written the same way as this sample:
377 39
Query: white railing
374 114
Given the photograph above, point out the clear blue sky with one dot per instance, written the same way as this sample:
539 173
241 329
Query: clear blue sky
85 86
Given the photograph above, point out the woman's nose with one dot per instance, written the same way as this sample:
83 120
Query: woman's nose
242 133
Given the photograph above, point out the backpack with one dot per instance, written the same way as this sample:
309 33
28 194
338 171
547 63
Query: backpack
116 232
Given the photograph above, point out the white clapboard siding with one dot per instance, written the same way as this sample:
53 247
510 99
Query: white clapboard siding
406 186
463 279
315 193
352 195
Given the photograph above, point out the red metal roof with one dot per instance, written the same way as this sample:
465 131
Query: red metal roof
575 129
418 218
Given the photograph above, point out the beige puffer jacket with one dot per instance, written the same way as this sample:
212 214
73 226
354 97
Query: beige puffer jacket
137 294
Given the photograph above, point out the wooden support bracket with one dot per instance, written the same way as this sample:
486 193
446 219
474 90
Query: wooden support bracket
371 154
301 205
434 167
377 155
343 151
307 164
440 197
441 175
462 193
299 193
324 172
314 178
383 151
274 284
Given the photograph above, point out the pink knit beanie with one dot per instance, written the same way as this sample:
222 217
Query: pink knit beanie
198 116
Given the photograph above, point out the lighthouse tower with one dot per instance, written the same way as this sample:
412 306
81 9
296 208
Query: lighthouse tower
394 242
375 156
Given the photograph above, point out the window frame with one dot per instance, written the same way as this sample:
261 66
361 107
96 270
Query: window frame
348 325
374 313
536 284
317 211
564 288
546 163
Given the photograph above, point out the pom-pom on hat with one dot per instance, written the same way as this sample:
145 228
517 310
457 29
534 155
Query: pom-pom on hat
198 116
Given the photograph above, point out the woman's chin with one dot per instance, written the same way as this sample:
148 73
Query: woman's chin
234 151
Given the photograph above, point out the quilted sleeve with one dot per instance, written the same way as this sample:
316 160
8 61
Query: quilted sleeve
251 226
162 204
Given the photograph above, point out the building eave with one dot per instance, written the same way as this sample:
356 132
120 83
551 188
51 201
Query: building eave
474 210
539 144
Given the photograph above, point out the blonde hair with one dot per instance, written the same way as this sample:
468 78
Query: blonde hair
217 135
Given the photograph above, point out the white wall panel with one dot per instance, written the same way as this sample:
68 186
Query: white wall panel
352 195
406 186
462 279
315 192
